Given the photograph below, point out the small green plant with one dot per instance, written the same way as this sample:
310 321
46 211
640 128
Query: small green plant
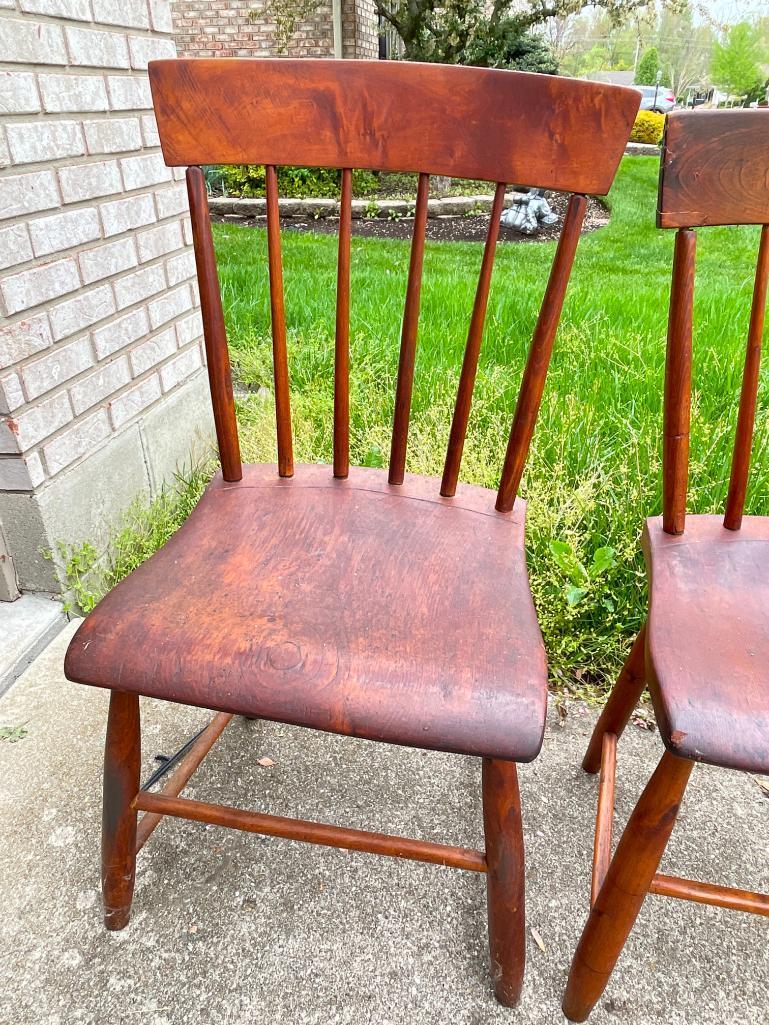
13 734
580 577
371 209
395 215
79 562
215 179
373 457
146 526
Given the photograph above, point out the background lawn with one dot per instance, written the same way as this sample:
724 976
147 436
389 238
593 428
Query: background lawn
594 470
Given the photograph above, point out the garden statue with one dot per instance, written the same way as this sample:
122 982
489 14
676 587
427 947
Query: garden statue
529 211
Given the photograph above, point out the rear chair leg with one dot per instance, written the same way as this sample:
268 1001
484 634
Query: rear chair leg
626 885
505 882
624 696
122 758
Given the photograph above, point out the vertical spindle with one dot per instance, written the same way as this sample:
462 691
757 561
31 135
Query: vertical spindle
532 386
409 337
278 320
472 351
743 442
342 336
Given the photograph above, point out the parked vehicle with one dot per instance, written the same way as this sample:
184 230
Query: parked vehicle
656 97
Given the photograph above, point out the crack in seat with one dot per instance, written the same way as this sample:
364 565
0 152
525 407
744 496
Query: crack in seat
354 606
708 665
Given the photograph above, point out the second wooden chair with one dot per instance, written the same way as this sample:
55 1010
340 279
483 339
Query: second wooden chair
704 651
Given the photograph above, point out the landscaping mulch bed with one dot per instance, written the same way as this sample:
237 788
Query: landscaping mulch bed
439 229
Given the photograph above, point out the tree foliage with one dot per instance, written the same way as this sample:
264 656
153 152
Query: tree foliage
446 31
735 64
648 67
591 42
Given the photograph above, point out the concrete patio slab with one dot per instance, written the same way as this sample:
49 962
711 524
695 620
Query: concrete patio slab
230 928
26 627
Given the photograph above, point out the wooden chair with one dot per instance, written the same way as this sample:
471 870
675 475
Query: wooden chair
364 602
704 651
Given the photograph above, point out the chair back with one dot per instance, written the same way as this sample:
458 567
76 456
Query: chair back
498 126
715 170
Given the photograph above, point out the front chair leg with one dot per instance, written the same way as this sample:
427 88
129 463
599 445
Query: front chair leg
122 764
624 696
505 882
626 885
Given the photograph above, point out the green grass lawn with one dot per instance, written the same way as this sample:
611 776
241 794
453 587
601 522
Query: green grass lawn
594 469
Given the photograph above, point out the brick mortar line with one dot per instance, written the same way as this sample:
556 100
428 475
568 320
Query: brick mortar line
44 308
8 320
80 159
98 364
51 479
82 204
57 116
65 21
103 403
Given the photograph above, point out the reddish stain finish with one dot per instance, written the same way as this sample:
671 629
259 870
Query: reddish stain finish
705 649
347 603
708 639
394 116
381 611
714 168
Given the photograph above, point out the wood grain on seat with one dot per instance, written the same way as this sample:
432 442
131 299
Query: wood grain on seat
707 639
352 606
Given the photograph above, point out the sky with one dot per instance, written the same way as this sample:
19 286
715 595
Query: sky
730 11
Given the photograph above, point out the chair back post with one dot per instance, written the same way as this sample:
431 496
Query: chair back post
713 171
678 385
214 332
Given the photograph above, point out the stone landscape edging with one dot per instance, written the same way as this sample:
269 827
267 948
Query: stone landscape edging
450 206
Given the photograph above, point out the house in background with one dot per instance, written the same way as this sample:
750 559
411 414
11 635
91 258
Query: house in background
102 385
247 28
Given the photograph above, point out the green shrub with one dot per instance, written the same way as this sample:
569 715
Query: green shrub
293 182
648 127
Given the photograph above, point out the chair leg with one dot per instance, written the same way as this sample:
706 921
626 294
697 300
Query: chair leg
122 764
626 885
624 696
505 881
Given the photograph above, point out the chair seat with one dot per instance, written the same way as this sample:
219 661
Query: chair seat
353 606
708 640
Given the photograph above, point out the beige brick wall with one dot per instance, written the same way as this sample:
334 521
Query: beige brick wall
97 295
246 28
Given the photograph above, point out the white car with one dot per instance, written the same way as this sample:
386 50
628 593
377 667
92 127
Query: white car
656 97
